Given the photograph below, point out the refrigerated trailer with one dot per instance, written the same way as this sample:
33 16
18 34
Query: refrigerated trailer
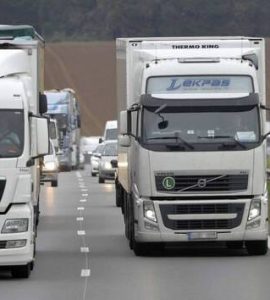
23 141
192 155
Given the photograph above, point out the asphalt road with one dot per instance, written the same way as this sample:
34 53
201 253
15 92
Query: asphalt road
82 254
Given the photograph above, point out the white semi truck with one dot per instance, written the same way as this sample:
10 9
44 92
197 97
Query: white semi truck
23 141
192 156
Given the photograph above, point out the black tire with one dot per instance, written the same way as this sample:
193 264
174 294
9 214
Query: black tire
141 249
36 214
21 271
257 247
93 174
54 183
118 195
235 245
101 180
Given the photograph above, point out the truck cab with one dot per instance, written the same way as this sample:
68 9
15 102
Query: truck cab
191 162
23 142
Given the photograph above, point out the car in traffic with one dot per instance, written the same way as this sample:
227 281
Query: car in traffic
95 158
50 168
88 145
106 170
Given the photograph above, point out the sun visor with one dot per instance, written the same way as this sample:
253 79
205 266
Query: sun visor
249 101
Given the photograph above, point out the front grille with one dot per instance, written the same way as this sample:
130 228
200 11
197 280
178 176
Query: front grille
204 183
2 187
3 244
186 209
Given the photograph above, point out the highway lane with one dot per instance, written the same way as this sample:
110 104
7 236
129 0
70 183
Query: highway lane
82 254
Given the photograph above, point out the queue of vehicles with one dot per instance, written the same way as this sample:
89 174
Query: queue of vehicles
36 128
199 100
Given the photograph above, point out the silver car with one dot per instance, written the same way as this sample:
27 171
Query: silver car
50 167
95 158
105 169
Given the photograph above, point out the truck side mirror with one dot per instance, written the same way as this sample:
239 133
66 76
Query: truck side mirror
100 140
42 137
114 163
43 106
123 122
124 141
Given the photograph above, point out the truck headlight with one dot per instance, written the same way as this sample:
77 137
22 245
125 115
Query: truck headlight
15 226
255 209
50 166
149 211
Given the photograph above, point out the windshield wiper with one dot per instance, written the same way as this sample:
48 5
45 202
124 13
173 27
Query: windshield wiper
231 138
176 137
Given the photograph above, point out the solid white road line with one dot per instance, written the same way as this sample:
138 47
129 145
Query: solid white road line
268 242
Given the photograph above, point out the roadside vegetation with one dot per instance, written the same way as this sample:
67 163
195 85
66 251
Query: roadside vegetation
106 19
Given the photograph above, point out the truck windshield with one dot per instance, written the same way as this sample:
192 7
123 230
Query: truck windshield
111 134
171 129
11 133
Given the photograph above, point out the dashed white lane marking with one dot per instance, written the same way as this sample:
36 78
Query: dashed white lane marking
85 250
80 208
83 200
80 219
84 190
81 232
85 272
85 195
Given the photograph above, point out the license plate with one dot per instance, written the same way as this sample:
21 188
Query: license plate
207 235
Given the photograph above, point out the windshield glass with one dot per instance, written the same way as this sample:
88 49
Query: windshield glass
111 134
110 149
98 149
11 133
199 84
173 129
57 103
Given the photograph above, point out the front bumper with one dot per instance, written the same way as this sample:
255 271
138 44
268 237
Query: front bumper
161 233
23 255
49 176
107 174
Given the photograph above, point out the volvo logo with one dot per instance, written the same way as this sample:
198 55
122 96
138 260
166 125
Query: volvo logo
202 183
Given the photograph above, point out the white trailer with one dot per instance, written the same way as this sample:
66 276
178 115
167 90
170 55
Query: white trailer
23 140
192 155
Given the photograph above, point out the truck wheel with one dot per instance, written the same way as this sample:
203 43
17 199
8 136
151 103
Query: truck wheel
118 195
257 247
235 245
101 180
93 174
54 183
21 271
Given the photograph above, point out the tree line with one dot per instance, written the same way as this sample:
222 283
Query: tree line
83 20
